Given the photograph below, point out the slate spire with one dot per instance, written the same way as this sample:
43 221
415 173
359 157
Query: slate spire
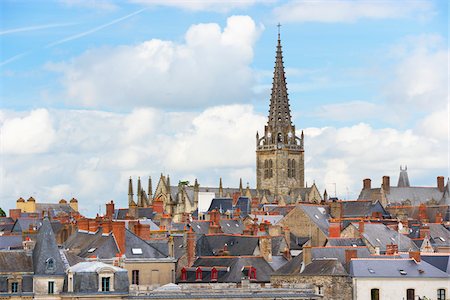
46 256
130 191
280 112
403 180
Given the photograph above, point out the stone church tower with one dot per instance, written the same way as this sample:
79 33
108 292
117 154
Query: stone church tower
280 163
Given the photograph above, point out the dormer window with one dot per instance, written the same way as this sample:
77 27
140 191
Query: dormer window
198 274
183 274
214 274
50 264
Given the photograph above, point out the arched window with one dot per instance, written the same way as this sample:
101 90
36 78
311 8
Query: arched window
270 169
441 294
183 274
289 168
214 274
50 264
198 274
374 294
293 168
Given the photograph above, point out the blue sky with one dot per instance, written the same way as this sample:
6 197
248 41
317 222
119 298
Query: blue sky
93 92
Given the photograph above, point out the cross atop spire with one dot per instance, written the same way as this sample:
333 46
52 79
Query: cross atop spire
279 27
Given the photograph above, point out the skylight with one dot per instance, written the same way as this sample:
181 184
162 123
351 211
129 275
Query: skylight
392 239
237 225
316 216
322 210
402 272
136 251
442 239
371 271
91 250
378 240
228 224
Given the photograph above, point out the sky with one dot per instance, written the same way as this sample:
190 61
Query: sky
93 92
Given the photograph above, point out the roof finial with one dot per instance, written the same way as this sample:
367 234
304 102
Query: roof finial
279 26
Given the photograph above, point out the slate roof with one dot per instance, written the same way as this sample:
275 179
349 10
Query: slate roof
297 242
221 204
292 267
210 245
148 251
337 252
278 245
231 226
244 204
46 249
440 261
15 261
440 235
235 265
415 195
273 219
200 227
324 267
278 261
380 235
352 209
10 242
143 212
348 242
55 208
394 268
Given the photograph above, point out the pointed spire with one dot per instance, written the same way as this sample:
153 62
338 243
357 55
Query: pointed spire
280 112
240 186
139 193
149 192
220 188
403 180
130 191
325 195
168 181
248 194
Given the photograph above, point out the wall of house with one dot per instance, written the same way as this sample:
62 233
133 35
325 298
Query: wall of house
301 225
152 274
333 287
40 285
395 288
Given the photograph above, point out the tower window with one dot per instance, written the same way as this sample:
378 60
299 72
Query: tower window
289 168
266 168
293 168
270 169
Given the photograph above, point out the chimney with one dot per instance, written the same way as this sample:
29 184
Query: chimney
118 229
107 226
110 210
391 249
287 236
158 206
265 247
190 247
367 184
307 255
440 183
15 213
415 255
214 217
336 209
438 219
83 224
386 184
166 221
171 246
142 231
361 226
335 229
423 216
349 254
424 231
28 245
92 225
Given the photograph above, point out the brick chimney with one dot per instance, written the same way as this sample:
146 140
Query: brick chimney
424 231
415 255
307 255
386 184
110 210
92 225
118 229
214 217
166 221
83 224
440 183
158 206
349 254
106 226
423 216
142 231
265 247
336 209
438 219
391 249
287 236
15 213
190 244
367 184
361 226
335 229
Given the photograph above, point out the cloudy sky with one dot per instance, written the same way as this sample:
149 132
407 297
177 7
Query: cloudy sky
93 92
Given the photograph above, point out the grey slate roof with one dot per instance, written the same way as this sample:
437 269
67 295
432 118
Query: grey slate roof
292 267
221 204
209 245
380 235
15 261
394 268
143 212
244 204
440 235
440 261
148 251
297 242
10 242
337 252
231 226
324 267
352 209
46 250
348 242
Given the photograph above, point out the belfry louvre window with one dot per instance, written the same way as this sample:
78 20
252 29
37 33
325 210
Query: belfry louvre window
266 168
270 169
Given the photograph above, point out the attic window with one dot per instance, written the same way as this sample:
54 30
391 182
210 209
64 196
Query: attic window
228 224
316 216
198 226
91 250
442 239
371 271
402 272
136 251
378 240
50 264
354 245
322 210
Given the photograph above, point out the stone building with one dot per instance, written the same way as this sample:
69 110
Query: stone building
280 162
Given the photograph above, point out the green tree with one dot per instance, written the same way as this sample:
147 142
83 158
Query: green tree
2 213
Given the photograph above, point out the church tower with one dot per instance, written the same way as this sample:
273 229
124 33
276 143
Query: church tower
280 163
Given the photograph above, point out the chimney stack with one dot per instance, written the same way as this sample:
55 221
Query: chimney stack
307 255
265 247
386 184
361 226
349 254
190 247
15 213
367 184
440 183
391 249
118 229
415 255
110 210
83 224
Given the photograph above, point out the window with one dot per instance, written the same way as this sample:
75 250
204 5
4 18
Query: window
14 287
214 274
136 251
293 169
135 277
50 264
198 274
270 169
105 284
266 168
410 293
374 294
51 287
441 294
289 168
320 290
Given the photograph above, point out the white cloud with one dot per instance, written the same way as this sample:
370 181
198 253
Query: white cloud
30 134
347 111
350 11
167 74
